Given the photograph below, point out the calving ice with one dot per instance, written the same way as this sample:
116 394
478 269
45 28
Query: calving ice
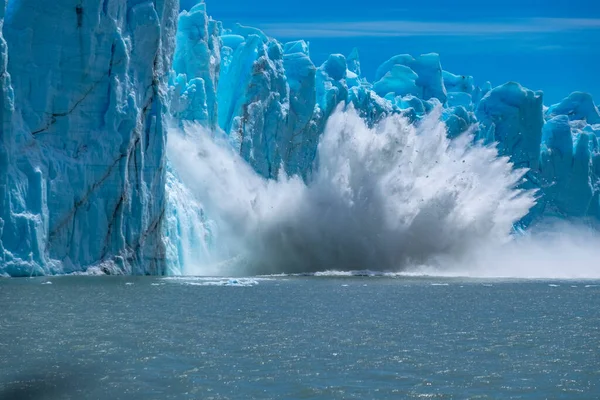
137 139
387 197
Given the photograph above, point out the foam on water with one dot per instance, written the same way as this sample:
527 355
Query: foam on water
397 197
206 281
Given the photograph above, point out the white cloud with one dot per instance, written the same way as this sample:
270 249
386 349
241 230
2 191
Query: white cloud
404 28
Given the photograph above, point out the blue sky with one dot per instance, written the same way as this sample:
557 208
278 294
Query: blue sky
550 45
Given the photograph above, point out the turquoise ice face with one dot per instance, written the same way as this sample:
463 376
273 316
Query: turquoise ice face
87 89
82 161
530 42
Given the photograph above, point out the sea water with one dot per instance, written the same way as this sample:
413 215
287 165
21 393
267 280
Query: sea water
299 337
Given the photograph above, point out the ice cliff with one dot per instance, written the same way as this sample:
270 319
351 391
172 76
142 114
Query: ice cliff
82 159
273 102
86 89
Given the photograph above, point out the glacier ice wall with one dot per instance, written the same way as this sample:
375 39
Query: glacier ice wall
6 108
273 103
83 135
198 61
87 88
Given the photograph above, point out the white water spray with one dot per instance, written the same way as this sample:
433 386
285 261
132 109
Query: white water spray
388 198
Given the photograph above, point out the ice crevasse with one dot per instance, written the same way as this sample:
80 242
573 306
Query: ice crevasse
87 87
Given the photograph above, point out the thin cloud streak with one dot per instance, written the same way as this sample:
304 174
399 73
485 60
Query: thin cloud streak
406 28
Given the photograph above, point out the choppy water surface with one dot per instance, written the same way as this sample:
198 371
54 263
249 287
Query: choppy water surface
298 337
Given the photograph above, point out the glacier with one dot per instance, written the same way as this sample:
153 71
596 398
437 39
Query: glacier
82 166
273 103
89 90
